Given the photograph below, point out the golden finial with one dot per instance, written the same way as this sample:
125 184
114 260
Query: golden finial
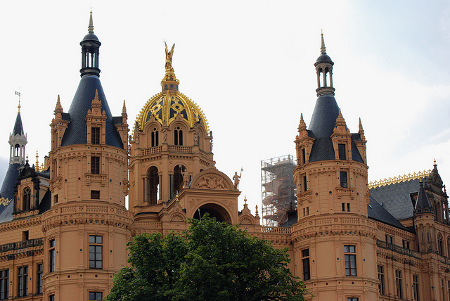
169 55
18 94
176 198
245 200
434 162
37 161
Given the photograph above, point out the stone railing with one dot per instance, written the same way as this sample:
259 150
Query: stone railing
22 245
180 149
397 249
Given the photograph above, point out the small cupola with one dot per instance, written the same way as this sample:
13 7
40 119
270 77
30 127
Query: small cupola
90 46
324 70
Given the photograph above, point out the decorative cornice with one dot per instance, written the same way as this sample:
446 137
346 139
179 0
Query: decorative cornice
399 179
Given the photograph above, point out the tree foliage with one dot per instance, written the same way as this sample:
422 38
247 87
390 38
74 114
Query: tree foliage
210 261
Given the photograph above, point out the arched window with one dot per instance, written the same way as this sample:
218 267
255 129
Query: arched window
17 148
155 137
177 180
440 245
178 136
152 185
26 199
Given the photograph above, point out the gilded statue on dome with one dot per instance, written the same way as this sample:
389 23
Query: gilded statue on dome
169 55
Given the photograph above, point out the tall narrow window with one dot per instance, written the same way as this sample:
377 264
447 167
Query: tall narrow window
440 245
342 152
178 136
155 137
350 260
348 207
22 281
39 282
416 287
343 178
153 185
95 252
95 135
306 267
26 198
4 284
95 165
51 253
381 280
51 298
305 183
343 206
95 296
398 284
303 156
177 181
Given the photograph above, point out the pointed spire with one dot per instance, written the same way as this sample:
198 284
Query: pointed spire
58 107
91 24
124 108
302 124
323 50
423 203
37 162
340 119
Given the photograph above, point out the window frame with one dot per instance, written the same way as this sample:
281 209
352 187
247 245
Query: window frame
52 253
95 165
398 284
381 284
4 284
306 266
22 281
350 260
95 248
39 279
95 134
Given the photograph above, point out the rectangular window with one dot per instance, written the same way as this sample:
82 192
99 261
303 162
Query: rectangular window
303 156
95 135
306 267
416 287
95 165
95 252
381 279
342 153
51 298
22 281
343 178
55 199
398 284
4 284
343 207
39 278
352 299
95 296
25 235
51 253
95 194
348 207
305 183
350 260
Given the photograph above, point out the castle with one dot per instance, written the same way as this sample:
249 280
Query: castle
65 226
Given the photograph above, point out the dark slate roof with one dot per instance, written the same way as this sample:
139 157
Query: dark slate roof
379 213
81 103
323 122
324 58
10 179
18 128
45 202
7 214
396 199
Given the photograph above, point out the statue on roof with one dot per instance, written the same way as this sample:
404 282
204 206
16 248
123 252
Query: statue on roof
169 55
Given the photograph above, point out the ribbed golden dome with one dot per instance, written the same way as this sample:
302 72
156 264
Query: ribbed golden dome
170 103
166 106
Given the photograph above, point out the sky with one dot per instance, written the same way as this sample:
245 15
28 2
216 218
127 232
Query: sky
250 66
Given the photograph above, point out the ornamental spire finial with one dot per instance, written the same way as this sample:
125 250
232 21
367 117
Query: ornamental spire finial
91 24
170 81
322 43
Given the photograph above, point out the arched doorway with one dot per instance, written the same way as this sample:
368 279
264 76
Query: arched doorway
214 210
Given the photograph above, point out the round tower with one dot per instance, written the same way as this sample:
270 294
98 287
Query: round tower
335 239
87 227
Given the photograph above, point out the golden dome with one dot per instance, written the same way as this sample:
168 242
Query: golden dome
170 103
166 106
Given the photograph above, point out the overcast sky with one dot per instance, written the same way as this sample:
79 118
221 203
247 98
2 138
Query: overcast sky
249 66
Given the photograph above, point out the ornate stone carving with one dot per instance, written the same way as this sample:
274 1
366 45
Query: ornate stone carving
212 182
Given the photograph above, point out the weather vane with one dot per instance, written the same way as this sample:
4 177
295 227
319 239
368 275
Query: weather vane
18 94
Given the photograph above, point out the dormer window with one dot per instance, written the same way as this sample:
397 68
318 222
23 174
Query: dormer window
343 179
178 136
26 199
342 152
95 135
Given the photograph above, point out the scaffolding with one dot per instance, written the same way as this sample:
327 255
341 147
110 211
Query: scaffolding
277 190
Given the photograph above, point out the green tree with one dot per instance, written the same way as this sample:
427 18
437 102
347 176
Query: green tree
210 261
